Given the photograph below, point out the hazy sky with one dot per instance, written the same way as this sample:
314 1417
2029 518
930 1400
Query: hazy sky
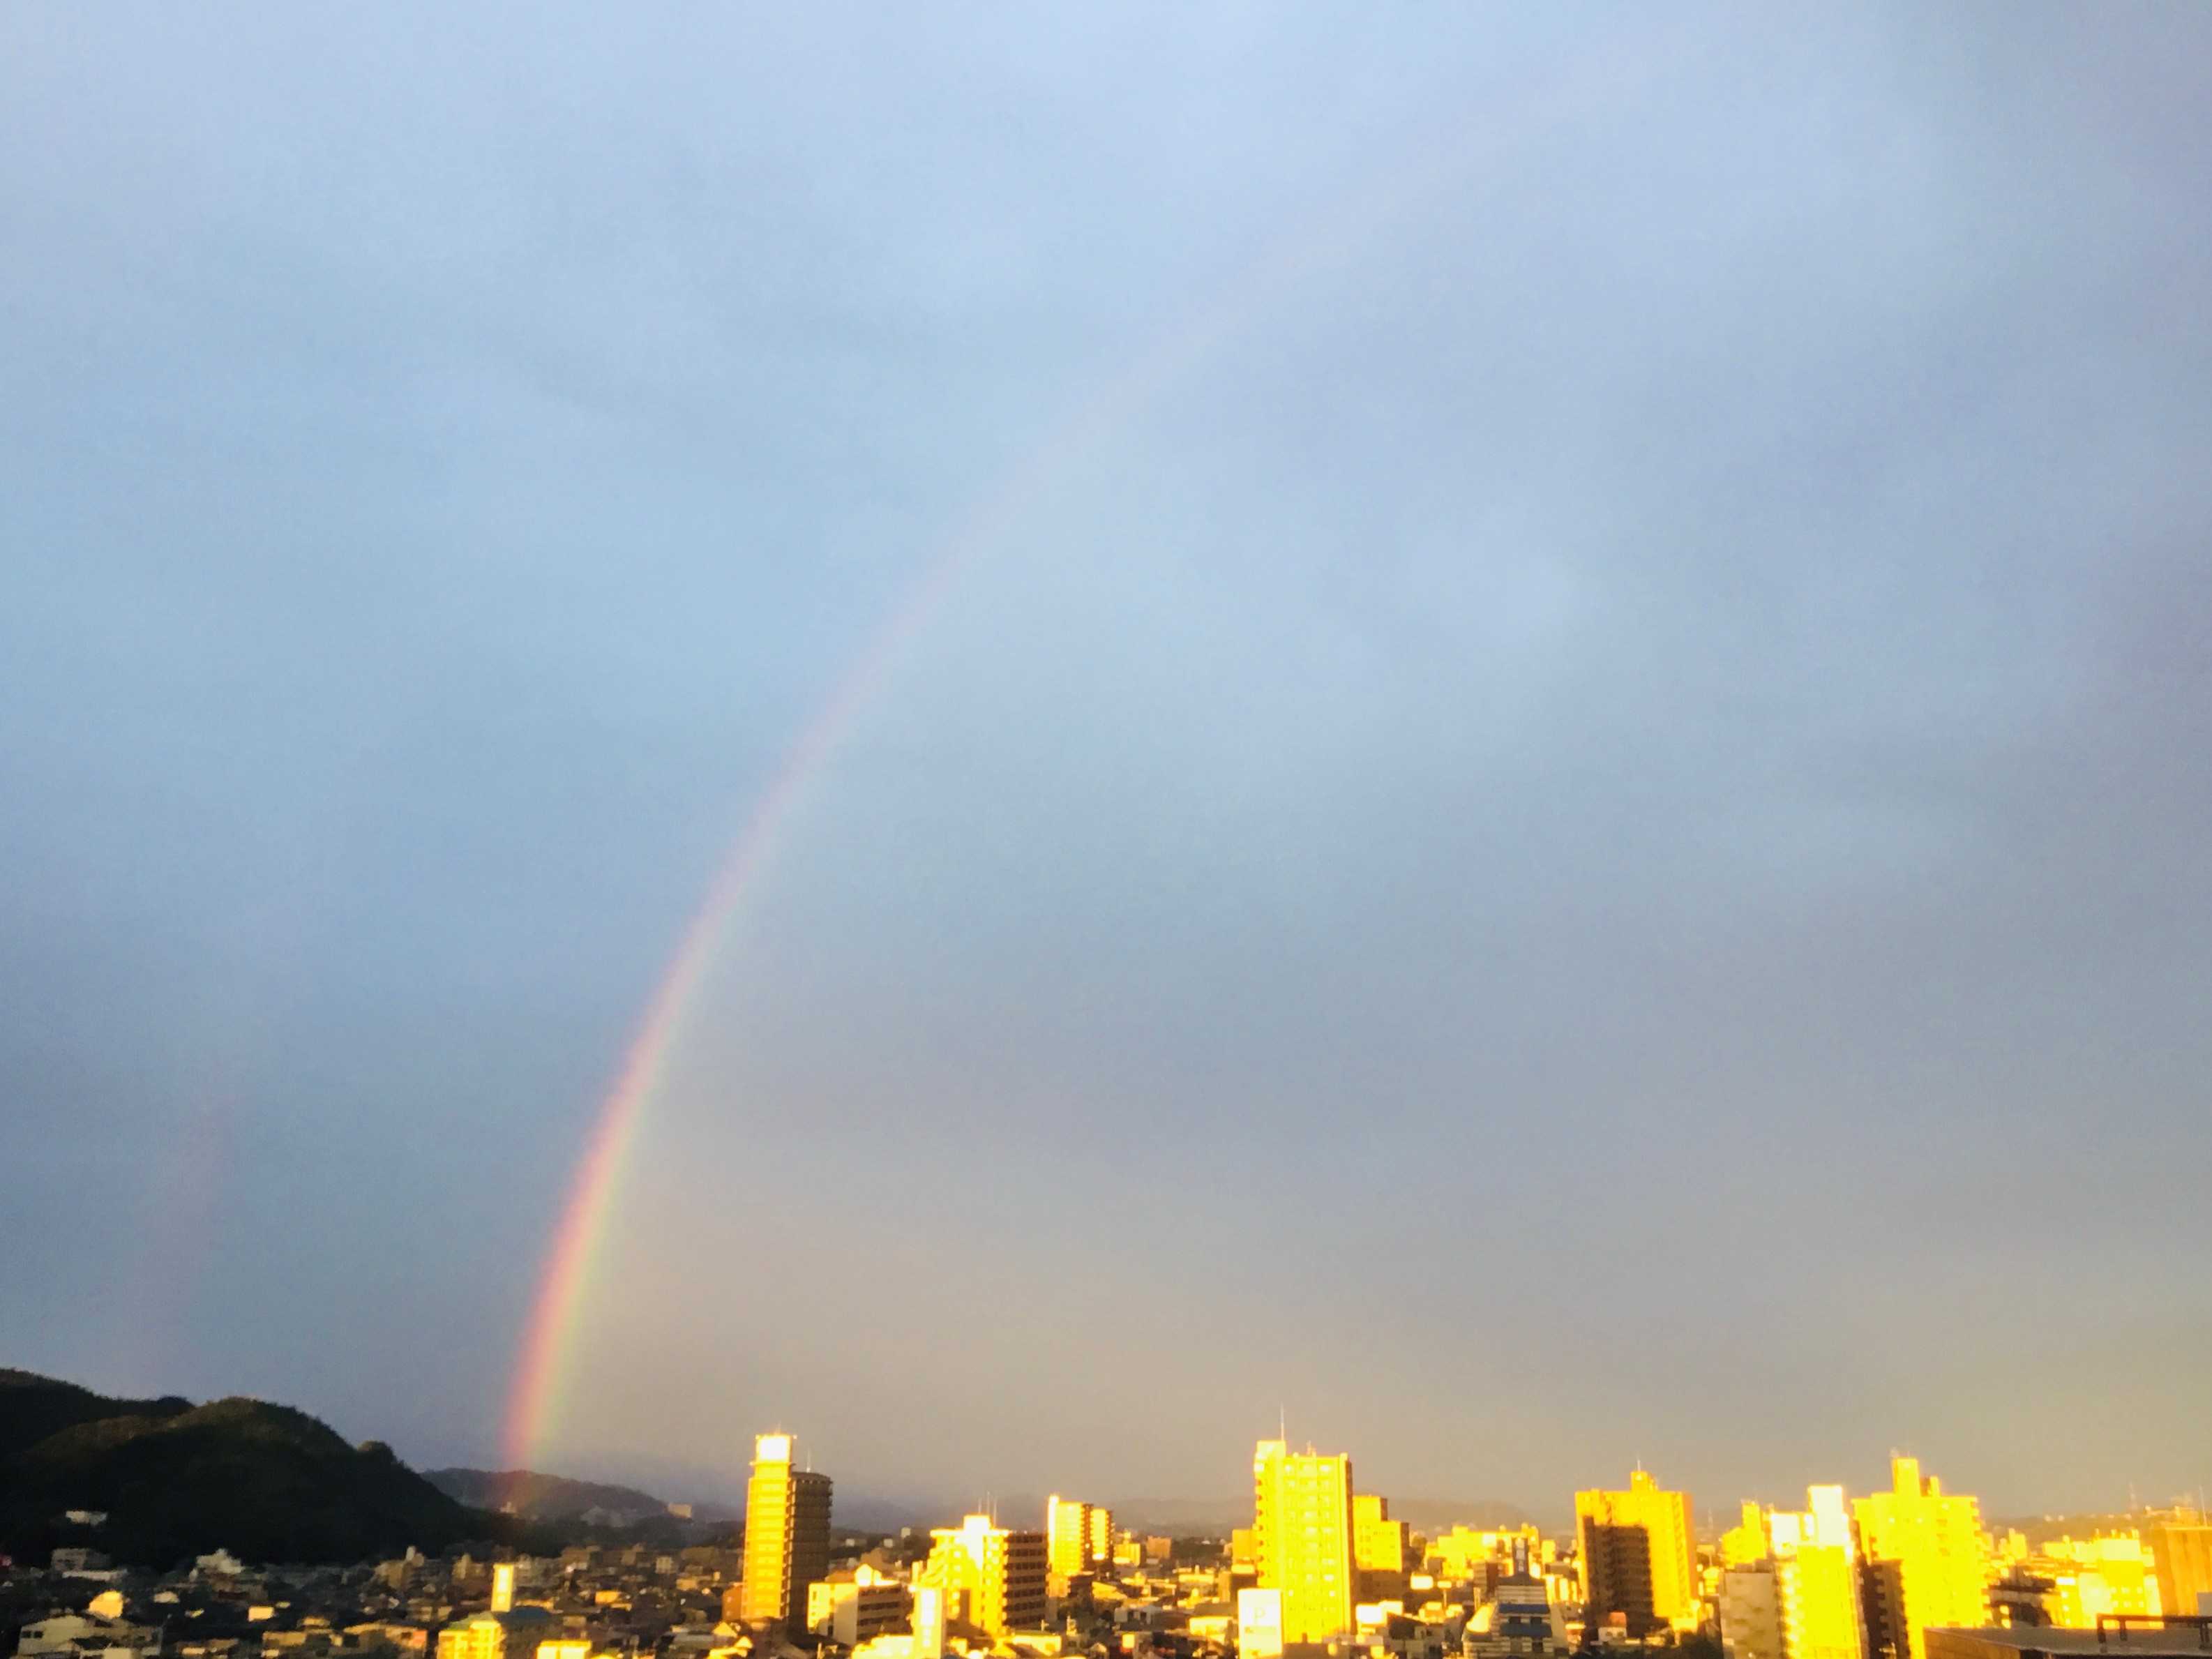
1575 826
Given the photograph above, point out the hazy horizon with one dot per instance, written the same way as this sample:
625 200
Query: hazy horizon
1493 726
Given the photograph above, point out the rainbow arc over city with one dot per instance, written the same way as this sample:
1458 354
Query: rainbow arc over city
547 1354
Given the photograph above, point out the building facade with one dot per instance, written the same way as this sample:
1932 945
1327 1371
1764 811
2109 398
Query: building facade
1923 1562
1380 1550
999 1574
1301 1536
1079 1537
786 1535
1637 1556
1816 1585
1750 1612
2180 1543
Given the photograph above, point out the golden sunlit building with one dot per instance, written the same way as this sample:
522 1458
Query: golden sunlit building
1637 1556
857 1604
1745 1542
1460 1553
2180 1543
1259 1624
1789 1587
1068 1536
510 1633
999 1574
1816 1579
1102 1537
1381 1549
2069 1582
787 1534
1471 1552
1925 1562
1302 1537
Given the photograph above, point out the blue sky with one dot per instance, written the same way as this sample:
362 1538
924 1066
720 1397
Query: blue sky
1578 837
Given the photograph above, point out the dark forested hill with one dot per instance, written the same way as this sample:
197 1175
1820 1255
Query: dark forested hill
266 1482
33 1407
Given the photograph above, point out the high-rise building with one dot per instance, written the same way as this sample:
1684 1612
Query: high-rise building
1301 1532
1636 1548
1789 1583
2180 1542
1816 1579
1102 1537
1923 1562
787 1534
1071 1537
1001 1575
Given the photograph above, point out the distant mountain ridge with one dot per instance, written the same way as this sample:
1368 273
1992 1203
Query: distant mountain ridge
1183 1516
537 1496
1433 1515
175 1480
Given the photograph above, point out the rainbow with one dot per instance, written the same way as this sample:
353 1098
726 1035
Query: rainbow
542 1364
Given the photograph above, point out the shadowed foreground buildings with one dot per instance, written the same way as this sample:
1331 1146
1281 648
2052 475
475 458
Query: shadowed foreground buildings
2022 1641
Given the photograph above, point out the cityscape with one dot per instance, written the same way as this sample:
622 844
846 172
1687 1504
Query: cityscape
1105 829
1322 1571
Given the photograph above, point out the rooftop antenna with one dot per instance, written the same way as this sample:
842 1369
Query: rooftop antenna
1283 1425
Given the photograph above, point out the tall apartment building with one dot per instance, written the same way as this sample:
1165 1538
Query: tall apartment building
1075 1540
1923 1562
1789 1584
1816 1579
787 1534
2181 1554
1302 1535
1000 1575
1637 1549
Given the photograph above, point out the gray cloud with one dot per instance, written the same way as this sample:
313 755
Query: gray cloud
1580 840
